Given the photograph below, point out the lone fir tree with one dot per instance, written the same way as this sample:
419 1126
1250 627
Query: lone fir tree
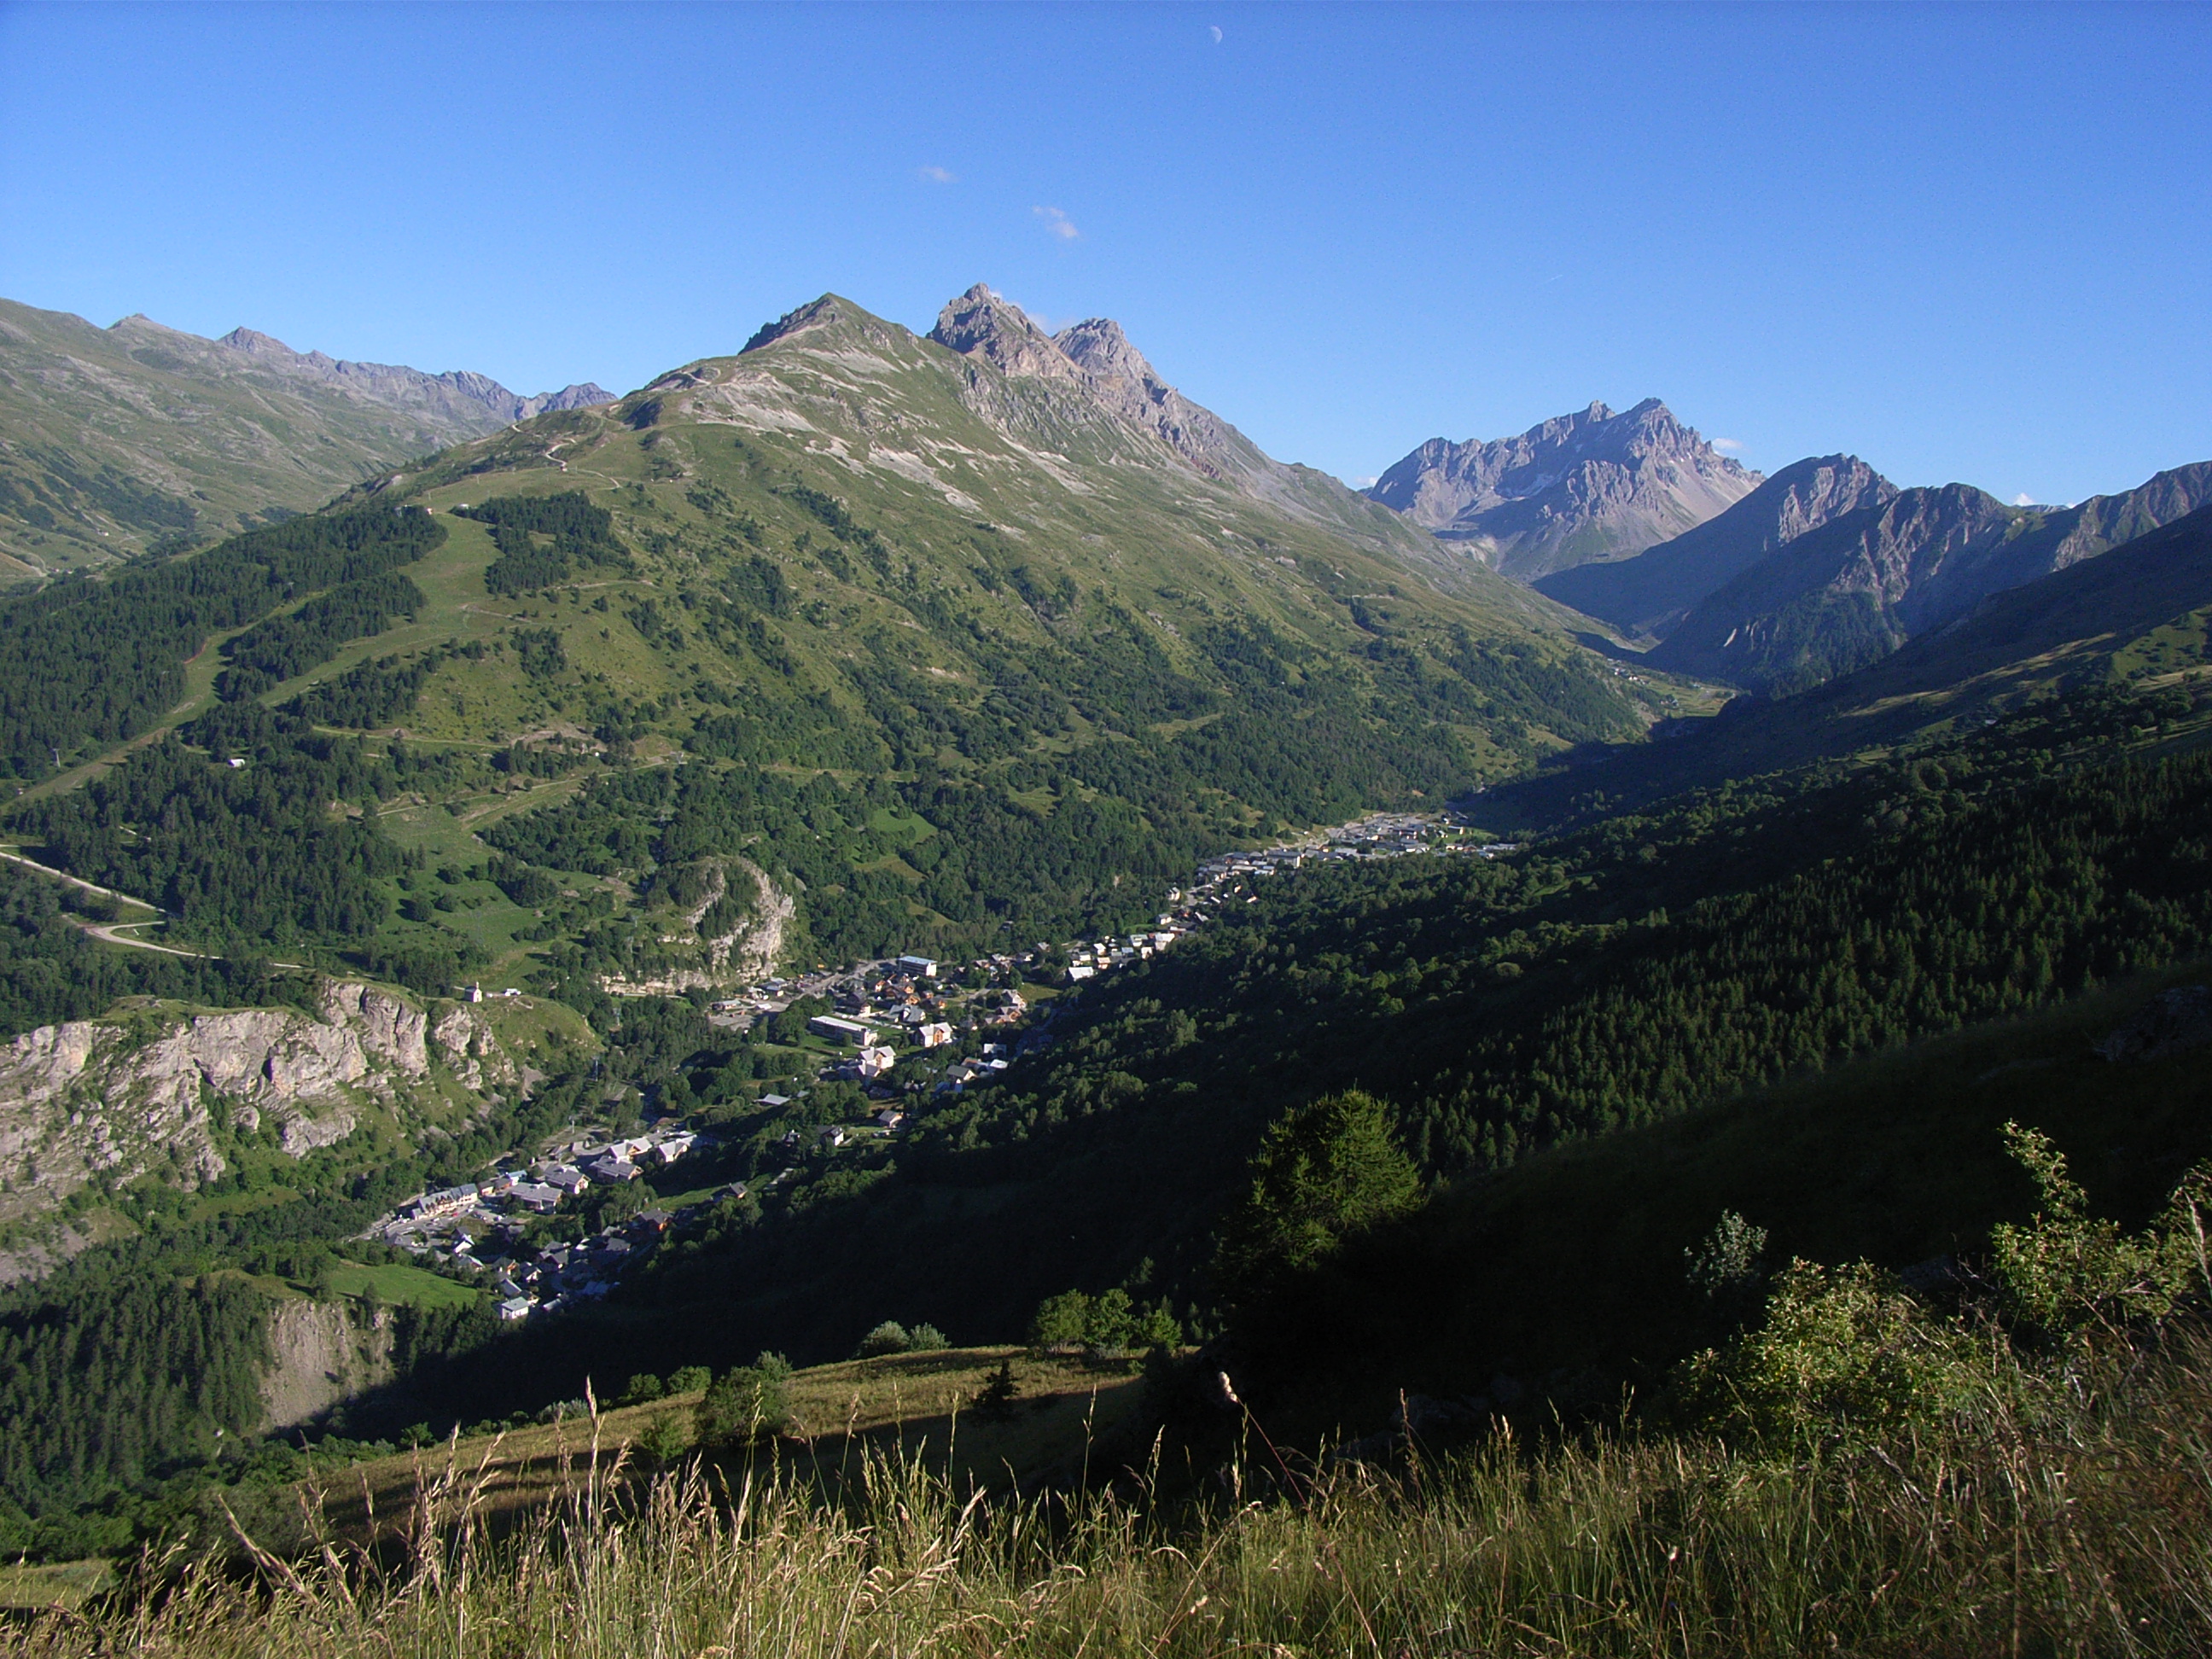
995 1401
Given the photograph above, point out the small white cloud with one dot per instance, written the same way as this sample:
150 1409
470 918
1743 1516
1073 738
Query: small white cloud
1728 446
2023 500
1363 483
1057 222
938 175
1215 31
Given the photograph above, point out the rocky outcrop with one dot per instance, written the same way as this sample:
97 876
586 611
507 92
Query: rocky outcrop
324 1353
1593 485
2172 1023
144 1092
745 952
471 1051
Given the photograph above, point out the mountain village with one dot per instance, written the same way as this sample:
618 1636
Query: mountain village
888 1014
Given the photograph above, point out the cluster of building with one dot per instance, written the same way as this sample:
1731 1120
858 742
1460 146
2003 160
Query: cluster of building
480 1225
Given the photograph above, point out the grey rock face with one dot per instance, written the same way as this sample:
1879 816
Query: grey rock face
1121 381
1852 590
2174 1022
1095 361
979 324
1589 486
109 1097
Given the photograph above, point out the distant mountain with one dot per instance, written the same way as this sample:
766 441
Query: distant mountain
458 394
1852 590
1652 592
2140 611
113 437
1580 489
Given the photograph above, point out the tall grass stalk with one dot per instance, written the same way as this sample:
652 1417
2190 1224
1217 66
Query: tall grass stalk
2073 1514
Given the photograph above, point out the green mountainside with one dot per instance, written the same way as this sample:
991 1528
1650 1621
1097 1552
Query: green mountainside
114 441
1638 970
900 648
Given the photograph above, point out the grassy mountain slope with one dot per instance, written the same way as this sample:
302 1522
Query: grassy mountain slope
1624 977
116 438
943 653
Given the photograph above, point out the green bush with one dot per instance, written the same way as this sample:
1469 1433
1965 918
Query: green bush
747 1406
2067 1272
1846 1356
890 1337
1061 1322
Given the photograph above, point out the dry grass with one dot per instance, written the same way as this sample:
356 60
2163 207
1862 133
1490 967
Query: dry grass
2075 1518
910 1407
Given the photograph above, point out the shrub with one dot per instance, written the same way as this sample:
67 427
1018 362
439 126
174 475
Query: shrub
1111 1322
747 1406
925 1339
666 1439
1845 1356
2067 1271
1061 1322
890 1337
689 1379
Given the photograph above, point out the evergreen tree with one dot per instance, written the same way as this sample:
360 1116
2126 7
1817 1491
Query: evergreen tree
1328 1169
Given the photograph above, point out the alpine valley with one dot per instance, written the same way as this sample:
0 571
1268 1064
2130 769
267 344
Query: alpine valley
932 861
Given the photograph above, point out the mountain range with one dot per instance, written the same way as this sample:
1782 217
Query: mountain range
1851 586
111 439
1771 584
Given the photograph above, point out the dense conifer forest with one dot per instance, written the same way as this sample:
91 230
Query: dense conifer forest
88 662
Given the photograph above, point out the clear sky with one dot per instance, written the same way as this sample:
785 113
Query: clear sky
1970 243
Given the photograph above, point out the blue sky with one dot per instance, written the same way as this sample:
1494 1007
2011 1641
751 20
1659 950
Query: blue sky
1969 243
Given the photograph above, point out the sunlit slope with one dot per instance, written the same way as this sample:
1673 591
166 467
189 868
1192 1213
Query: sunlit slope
853 629
111 439
851 547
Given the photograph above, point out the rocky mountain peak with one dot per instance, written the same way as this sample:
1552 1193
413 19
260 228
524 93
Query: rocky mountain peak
252 341
1588 486
981 324
815 313
1098 344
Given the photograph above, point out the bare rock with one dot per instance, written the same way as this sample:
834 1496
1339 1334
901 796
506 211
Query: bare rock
2172 1021
94 1097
